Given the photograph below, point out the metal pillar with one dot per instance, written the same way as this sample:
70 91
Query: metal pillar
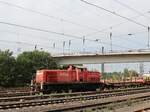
111 41
102 68
148 37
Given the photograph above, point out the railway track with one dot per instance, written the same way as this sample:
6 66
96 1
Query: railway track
14 93
32 97
20 89
61 100
100 104
11 92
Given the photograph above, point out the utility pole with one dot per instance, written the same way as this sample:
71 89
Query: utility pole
102 65
148 37
54 45
64 46
102 69
141 68
35 47
102 49
69 45
83 42
110 41
99 41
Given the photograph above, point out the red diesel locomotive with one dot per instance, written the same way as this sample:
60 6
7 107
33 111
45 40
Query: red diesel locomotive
73 78
77 78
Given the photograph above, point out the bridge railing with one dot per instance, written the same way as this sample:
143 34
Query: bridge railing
101 53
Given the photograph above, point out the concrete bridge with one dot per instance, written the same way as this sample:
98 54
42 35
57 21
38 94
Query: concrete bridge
98 58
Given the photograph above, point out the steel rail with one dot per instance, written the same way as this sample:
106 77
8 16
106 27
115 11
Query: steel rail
9 105
31 97
100 104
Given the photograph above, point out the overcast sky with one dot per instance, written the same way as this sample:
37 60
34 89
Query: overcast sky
75 18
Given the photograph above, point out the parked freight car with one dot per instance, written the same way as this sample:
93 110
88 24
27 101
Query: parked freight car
146 78
74 78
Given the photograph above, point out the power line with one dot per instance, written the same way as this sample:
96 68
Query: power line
116 25
38 29
25 34
133 9
47 15
130 34
43 14
41 37
114 13
49 31
55 42
25 43
124 35
33 45
61 41
116 45
101 30
129 39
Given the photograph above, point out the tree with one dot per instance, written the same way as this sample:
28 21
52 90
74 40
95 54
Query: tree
129 74
116 76
29 62
7 69
134 73
126 72
119 76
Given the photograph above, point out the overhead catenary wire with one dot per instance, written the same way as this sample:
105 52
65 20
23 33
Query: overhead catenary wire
28 44
113 26
129 39
35 45
131 8
47 15
126 36
31 44
43 14
54 42
31 35
41 45
53 32
102 30
133 34
105 43
25 43
114 13
41 30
